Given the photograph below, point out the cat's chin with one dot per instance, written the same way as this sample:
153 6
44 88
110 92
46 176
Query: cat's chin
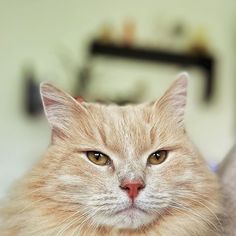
130 218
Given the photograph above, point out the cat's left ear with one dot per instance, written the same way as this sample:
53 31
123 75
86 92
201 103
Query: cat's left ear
173 102
60 109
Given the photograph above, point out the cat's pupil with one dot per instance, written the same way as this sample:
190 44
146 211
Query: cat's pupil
97 156
157 155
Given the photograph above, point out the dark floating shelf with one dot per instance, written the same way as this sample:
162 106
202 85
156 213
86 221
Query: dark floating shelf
204 62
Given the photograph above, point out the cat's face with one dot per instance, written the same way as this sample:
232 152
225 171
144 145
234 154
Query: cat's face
123 166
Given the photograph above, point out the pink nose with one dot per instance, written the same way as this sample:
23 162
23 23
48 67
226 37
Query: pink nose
132 188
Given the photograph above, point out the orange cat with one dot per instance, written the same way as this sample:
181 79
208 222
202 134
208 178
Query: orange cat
116 170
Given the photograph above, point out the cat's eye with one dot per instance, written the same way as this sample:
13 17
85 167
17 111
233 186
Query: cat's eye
157 157
98 158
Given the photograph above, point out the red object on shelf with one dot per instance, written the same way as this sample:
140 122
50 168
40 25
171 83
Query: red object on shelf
79 99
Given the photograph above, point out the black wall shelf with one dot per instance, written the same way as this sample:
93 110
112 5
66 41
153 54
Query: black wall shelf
204 62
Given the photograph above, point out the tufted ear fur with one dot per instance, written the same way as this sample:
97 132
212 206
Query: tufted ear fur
60 109
173 101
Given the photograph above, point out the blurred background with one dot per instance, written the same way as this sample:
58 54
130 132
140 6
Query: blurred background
114 51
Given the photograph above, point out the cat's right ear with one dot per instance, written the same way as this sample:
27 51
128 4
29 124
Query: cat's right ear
173 101
59 108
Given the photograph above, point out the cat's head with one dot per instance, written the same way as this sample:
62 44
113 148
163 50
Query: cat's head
124 166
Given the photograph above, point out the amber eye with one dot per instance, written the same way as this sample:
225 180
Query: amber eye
98 158
157 157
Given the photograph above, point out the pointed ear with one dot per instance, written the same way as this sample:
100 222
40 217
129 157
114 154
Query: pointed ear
59 108
174 99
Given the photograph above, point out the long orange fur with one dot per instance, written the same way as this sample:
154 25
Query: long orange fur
67 195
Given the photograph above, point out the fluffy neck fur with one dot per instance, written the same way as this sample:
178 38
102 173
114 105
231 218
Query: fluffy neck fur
67 195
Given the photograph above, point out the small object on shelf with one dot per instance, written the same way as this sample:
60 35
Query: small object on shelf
106 34
129 30
199 44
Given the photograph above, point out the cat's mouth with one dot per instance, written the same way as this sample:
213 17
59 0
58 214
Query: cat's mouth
132 209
